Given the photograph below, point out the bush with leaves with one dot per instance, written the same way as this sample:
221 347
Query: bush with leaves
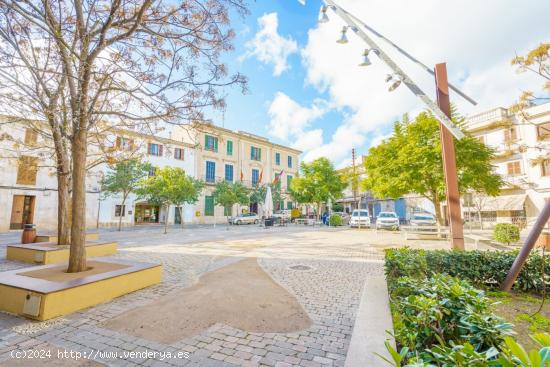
506 233
483 268
335 220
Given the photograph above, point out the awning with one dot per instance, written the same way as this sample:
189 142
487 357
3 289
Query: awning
502 202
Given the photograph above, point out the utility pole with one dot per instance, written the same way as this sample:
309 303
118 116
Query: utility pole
449 160
354 180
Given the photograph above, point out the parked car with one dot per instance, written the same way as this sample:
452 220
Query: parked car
423 219
387 220
245 218
345 217
359 218
284 215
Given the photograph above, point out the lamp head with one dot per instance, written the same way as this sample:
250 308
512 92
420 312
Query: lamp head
366 61
324 17
343 38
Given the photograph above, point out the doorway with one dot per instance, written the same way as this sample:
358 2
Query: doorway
146 213
22 211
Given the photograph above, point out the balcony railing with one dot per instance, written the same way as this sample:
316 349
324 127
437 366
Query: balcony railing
208 180
489 118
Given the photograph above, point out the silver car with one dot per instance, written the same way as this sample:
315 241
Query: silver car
423 219
245 218
387 220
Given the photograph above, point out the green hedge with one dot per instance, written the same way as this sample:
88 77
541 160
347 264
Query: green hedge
483 268
335 220
506 233
441 320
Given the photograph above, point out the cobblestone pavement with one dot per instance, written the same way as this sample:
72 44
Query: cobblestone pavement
328 283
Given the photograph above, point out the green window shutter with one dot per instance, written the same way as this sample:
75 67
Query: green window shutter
205 141
229 147
208 206
259 154
226 211
215 144
251 152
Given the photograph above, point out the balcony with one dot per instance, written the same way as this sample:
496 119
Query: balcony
492 119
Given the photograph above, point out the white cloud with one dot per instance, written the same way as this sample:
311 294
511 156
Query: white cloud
477 39
289 121
269 47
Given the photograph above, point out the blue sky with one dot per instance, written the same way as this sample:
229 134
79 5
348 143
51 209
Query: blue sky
306 91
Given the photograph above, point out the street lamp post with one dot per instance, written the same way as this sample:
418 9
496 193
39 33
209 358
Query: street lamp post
441 110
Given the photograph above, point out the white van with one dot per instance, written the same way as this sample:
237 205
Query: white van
359 218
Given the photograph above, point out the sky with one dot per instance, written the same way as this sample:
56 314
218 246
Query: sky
309 92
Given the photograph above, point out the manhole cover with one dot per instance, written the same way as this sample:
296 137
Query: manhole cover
300 267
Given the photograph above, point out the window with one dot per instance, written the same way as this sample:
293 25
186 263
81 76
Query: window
208 206
210 143
120 210
210 171
510 135
229 172
229 147
514 168
178 153
289 162
30 137
123 143
256 153
288 181
278 159
289 205
255 177
27 169
543 130
545 167
155 149
152 171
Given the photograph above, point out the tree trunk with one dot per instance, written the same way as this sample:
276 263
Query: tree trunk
318 211
166 220
438 214
63 172
181 216
63 197
122 210
480 220
77 257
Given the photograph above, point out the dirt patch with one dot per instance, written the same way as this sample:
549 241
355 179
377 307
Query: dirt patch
59 274
241 295
519 310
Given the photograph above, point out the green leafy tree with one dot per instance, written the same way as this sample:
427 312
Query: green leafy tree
318 181
123 178
170 186
410 161
228 194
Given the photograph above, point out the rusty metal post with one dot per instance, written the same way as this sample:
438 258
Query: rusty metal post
530 242
449 160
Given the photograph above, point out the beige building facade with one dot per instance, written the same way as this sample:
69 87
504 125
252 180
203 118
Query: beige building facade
237 156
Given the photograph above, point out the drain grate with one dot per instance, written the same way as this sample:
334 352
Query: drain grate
300 267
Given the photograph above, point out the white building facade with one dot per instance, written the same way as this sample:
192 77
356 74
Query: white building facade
28 182
159 152
522 145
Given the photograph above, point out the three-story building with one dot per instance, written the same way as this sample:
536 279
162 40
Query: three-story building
223 154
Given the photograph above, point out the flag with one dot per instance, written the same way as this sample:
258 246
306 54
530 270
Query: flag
242 176
261 176
277 178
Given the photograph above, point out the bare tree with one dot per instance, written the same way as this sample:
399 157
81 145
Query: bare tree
132 62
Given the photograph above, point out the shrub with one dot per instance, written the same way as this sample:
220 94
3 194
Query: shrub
335 220
483 268
435 311
506 233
